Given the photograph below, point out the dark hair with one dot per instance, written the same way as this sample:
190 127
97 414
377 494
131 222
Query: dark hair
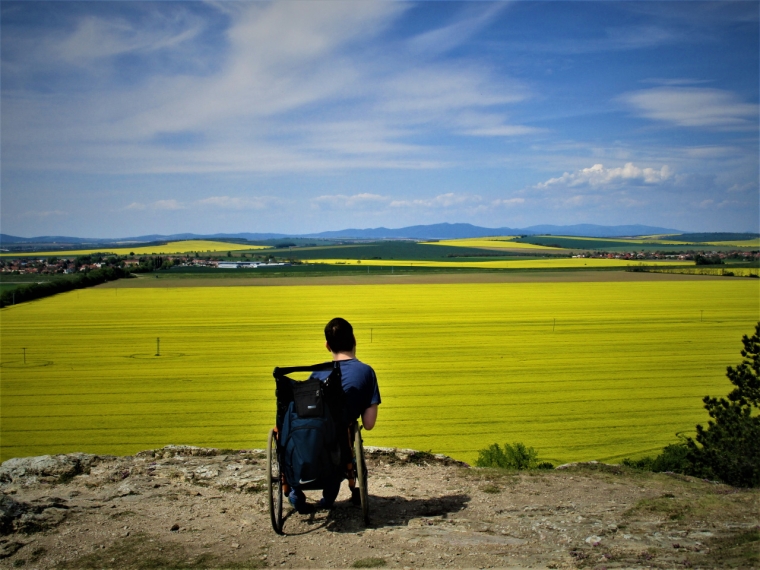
339 334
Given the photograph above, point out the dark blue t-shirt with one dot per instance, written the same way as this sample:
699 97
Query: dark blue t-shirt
359 384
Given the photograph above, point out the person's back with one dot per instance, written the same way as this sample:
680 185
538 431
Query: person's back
360 387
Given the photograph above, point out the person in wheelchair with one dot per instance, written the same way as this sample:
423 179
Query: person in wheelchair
362 397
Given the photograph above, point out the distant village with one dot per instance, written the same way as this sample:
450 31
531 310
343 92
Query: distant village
86 263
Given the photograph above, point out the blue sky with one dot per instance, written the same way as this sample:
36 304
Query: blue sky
128 118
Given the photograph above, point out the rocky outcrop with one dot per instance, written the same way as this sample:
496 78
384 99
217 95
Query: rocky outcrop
47 468
185 506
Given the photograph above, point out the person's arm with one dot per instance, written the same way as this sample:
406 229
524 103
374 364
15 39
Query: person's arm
369 417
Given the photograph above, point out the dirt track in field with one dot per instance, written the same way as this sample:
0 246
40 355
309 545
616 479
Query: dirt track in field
189 280
182 507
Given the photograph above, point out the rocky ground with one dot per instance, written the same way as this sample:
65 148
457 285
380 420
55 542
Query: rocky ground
185 507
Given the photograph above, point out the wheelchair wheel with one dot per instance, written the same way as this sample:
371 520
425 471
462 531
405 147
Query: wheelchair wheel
274 483
361 474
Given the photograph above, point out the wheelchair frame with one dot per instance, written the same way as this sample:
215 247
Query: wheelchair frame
277 486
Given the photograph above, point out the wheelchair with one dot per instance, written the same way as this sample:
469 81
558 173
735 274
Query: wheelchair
349 437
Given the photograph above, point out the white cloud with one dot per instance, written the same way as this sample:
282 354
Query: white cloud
694 107
135 206
599 176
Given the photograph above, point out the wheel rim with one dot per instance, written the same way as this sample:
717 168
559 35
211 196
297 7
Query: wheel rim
361 476
274 482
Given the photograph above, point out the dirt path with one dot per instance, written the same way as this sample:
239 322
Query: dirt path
183 507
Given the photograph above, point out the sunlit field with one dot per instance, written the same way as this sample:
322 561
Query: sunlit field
188 246
580 371
504 242
539 263
740 243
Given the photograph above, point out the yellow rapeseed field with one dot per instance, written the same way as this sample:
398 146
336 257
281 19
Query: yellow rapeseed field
187 246
542 263
501 242
578 370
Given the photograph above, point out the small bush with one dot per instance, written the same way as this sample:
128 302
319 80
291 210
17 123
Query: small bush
515 456
673 458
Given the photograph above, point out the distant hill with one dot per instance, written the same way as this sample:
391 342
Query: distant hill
433 231
459 231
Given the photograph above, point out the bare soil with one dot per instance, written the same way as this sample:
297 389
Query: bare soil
185 507
191 280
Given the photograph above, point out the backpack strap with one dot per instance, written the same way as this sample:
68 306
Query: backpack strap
284 386
280 372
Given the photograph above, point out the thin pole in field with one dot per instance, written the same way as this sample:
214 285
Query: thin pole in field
700 316
370 336
158 346
24 349
554 324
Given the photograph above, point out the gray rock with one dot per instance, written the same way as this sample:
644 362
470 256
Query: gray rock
19 516
61 467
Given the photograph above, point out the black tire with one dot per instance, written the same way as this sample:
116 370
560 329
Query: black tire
274 483
361 474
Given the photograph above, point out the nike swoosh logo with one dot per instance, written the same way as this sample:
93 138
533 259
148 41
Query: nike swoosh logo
302 482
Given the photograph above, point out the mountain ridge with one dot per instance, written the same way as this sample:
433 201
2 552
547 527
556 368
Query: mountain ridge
430 231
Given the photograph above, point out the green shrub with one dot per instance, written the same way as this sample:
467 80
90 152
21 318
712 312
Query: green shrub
729 447
673 458
515 456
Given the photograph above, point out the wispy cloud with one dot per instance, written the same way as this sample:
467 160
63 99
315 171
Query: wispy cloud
158 205
508 202
44 213
442 201
237 202
694 107
299 87
453 35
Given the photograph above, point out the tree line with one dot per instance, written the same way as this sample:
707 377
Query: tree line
80 281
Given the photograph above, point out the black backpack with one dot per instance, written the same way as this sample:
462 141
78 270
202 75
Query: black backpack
311 427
